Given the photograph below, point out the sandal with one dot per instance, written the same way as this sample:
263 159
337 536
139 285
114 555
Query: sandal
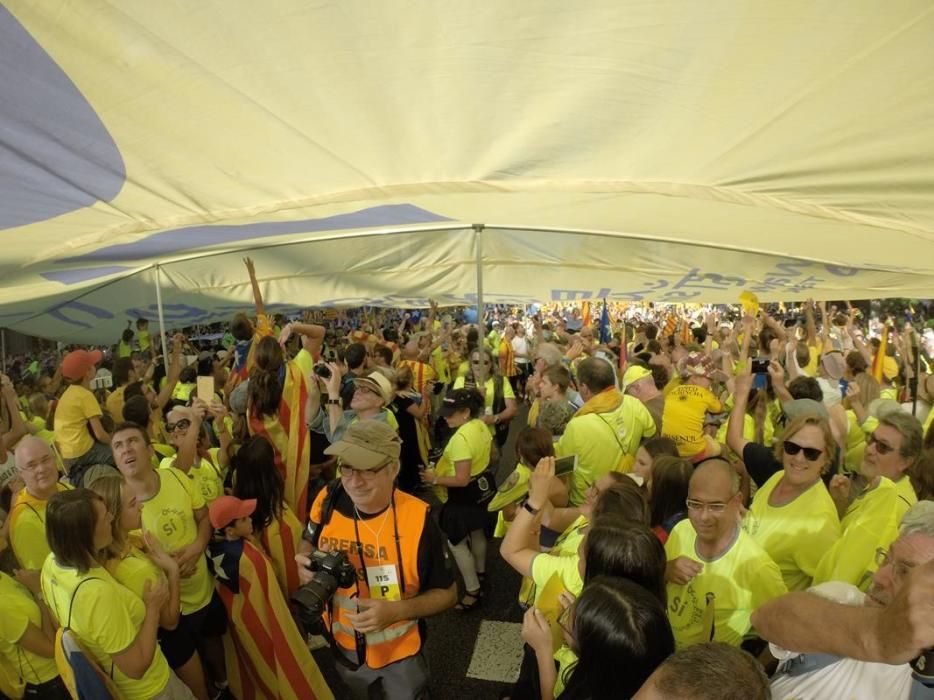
463 606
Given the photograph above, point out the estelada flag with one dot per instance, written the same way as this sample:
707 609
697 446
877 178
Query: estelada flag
280 543
670 324
288 435
266 655
585 313
878 362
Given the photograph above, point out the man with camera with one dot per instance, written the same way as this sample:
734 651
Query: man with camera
372 564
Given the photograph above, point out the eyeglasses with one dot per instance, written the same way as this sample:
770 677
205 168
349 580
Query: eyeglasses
368 390
368 474
183 424
714 508
32 466
900 569
883 448
811 454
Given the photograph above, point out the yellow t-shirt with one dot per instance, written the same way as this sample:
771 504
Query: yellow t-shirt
855 444
683 418
489 386
889 393
169 516
566 659
76 406
440 364
144 340
27 530
106 617
796 535
869 523
601 440
906 498
20 611
473 442
566 545
115 403
544 566
735 583
134 570
208 474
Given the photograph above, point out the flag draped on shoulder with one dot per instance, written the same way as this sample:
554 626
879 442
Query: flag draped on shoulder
267 658
289 437
280 541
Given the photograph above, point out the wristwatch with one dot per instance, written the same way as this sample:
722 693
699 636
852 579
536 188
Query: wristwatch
530 509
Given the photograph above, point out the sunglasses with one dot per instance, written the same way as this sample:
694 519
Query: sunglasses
183 424
881 447
811 454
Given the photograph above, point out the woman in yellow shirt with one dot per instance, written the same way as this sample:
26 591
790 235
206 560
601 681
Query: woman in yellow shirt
792 517
113 623
133 559
463 486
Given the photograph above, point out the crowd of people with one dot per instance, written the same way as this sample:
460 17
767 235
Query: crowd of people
706 503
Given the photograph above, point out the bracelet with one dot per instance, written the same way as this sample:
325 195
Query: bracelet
333 402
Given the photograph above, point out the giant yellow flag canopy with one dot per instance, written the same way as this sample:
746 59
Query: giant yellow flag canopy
379 152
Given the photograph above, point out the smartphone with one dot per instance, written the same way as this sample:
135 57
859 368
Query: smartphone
565 465
760 366
844 385
205 388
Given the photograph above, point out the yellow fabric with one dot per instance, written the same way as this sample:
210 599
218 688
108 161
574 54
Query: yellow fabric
749 430
672 384
134 569
536 408
74 409
169 515
566 659
797 534
813 358
855 444
869 523
890 393
440 365
182 391
473 442
544 566
603 442
734 584
566 545
144 339
489 387
208 474
906 498
106 617
683 417
20 611
114 404
27 529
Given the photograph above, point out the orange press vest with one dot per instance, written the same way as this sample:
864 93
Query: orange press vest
402 639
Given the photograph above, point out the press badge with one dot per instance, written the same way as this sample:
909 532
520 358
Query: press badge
383 582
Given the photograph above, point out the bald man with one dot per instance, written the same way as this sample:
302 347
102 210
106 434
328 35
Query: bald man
716 574
36 466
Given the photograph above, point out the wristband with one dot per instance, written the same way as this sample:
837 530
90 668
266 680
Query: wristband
333 402
530 509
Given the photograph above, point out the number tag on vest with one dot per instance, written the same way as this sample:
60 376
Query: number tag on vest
383 582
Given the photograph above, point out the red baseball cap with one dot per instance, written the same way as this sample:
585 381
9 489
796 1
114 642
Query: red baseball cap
77 363
226 509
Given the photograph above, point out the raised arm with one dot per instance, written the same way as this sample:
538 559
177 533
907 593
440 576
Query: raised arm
257 294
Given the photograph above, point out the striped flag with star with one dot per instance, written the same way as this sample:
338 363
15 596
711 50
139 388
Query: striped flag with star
266 655
288 435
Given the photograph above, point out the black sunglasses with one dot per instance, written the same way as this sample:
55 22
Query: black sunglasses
811 454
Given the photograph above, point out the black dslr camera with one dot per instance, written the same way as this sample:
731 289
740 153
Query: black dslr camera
333 570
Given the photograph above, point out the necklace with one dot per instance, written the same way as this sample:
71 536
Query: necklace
375 534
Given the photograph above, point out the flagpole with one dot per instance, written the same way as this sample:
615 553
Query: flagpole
478 239
161 314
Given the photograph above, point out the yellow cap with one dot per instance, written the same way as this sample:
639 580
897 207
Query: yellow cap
513 489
